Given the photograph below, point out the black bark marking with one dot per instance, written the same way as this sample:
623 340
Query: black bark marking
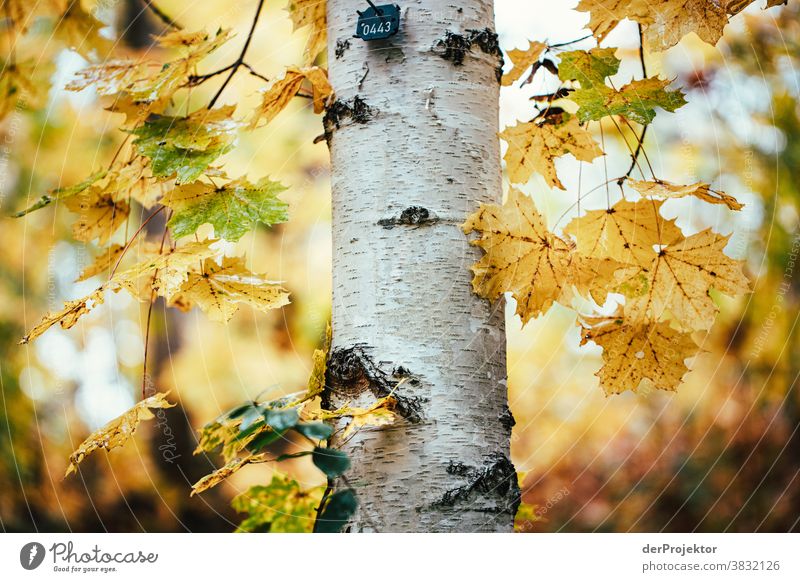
455 47
496 479
507 419
341 47
352 371
411 216
340 111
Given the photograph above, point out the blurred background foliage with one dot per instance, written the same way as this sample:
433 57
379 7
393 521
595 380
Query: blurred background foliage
721 454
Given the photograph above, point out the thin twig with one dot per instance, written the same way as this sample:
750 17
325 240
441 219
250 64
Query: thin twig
568 43
162 16
325 495
240 61
640 138
133 238
149 315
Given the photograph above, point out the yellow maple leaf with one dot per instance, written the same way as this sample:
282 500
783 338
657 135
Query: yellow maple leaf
627 232
522 256
103 263
633 352
170 270
591 277
220 289
701 190
522 61
99 215
534 146
311 13
117 432
80 30
23 84
678 281
281 92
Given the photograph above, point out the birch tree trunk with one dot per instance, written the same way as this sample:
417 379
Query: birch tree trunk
414 151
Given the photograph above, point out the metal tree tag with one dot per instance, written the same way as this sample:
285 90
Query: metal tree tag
377 22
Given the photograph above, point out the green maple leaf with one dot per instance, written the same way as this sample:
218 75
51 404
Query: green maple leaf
637 100
186 146
589 68
232 209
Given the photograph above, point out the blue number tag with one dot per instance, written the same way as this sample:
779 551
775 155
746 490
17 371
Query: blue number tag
375 25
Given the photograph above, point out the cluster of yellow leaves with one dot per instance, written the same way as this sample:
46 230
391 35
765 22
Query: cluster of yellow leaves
186 276
168 161
118 431
630 250
666 22
139 87
660 280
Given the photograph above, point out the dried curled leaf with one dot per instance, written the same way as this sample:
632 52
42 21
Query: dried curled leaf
316 380
232 209
533 147
219 290
634 352
283 90
678 282
700 190
522 256
218 476
311 13
636 101
68 316
523 60
280 507
627 232
666 22
117 432
380 413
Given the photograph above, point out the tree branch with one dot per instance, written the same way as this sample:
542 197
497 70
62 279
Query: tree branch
240 61
161 15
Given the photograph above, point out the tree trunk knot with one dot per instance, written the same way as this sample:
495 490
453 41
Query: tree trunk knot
411 216
352 370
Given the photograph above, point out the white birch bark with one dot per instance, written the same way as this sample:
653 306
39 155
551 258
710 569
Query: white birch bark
416 157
